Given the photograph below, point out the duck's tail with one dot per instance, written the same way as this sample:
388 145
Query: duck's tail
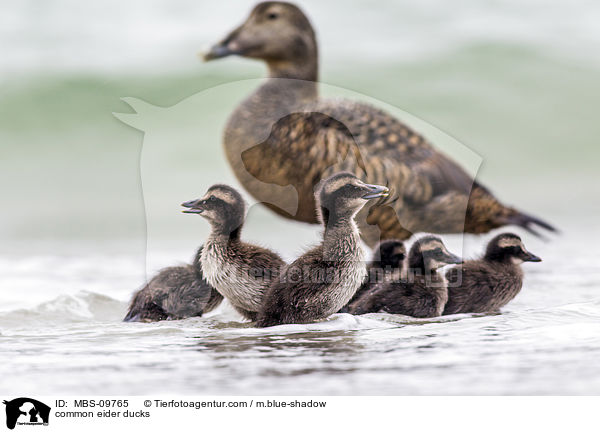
528 223
485 213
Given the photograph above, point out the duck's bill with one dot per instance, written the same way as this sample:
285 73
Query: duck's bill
191 207
216 52
376 191
529 257
453 259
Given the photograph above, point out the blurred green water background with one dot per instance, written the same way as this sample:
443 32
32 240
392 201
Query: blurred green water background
70 171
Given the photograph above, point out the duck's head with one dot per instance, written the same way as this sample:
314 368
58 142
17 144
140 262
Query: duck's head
278 33
429 254
221 205
389 254
342 195
509 247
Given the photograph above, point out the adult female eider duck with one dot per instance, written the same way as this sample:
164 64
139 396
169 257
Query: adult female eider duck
422 293
284 134
174 293
240 271
322 280
487 284
388 261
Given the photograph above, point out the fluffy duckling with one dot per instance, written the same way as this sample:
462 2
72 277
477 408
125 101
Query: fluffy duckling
307 135
423 293
388 259
487 284
240 271
174 293
324 279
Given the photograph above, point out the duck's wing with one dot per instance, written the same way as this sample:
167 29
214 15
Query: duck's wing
303 291
185 295
470 287
328 137
359 138
424 176
372 301
306 137
382 136
431 192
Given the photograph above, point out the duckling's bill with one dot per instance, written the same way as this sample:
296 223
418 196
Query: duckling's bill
450 258
529 257
376 191
192 206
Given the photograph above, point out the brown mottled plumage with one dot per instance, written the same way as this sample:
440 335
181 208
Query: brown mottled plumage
240 271
324 279
487 284
284 134
174 293
388 261
421 292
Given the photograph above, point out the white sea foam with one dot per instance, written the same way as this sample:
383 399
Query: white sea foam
542 343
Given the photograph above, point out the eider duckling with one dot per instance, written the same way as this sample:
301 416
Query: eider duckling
423 293
322 280
388 260
240 271
174 293
307 135
487 284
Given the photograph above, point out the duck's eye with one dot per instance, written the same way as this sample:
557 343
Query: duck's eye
272 16
212 198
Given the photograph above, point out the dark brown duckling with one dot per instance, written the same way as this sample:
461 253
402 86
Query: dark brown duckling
174 293
307 135
324 279
240 271
422 294
388 259
487 284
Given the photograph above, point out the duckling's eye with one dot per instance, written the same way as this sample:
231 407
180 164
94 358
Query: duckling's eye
272 16
212 198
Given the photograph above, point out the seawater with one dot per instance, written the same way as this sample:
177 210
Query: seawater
546 341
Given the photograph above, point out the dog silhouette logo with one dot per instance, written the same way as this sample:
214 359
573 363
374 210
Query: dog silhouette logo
26 411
